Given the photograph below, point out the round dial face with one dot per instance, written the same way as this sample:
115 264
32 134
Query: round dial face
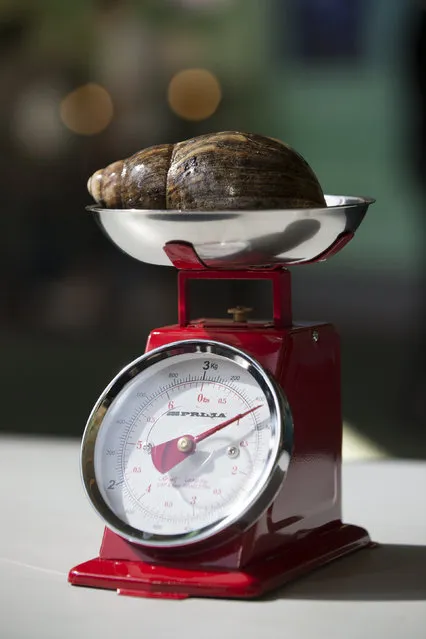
185 441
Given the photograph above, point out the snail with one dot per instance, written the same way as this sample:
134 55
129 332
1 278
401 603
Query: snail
219 171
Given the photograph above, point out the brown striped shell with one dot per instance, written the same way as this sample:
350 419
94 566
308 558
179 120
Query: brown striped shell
218 171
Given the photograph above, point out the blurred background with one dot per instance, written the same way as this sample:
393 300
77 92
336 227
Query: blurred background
87 82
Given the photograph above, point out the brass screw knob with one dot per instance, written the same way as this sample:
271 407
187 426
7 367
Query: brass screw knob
239 313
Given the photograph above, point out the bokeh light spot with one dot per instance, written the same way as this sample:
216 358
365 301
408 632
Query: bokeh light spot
194 94
87 110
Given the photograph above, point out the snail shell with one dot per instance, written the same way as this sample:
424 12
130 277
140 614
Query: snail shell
218 171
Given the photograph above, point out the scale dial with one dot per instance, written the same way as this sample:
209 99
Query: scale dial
185 442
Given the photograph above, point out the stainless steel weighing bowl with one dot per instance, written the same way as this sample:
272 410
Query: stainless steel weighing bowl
235 239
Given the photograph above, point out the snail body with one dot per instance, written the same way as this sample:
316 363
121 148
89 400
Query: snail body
219 171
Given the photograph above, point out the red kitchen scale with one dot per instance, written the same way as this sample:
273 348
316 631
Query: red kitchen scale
214 459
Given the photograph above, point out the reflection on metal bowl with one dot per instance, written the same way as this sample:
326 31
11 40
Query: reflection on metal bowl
235 239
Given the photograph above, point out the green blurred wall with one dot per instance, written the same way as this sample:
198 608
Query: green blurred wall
350 122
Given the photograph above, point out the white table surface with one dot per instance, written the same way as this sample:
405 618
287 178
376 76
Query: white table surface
48 527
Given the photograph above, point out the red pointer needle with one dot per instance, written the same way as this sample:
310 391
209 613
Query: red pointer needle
211 431
171 453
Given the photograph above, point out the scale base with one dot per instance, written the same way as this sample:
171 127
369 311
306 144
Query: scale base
140 579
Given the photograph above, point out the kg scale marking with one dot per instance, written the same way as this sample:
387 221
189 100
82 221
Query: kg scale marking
214 459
